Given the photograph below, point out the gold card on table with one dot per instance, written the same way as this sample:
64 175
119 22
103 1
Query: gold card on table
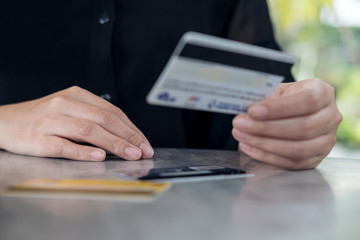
106 189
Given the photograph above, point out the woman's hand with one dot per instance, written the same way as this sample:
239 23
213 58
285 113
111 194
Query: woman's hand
294 129
55 125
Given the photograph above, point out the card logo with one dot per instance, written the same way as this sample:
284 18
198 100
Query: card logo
226 106
194 99
165 96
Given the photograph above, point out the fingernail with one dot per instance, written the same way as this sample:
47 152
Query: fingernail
132 153
258 111
246 148
240 135
242 123
97 155
147 150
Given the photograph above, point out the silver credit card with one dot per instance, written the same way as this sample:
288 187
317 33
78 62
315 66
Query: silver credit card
219 75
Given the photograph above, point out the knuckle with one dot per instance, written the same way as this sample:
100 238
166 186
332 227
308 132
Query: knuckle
259 155
256 142
310 163
307 130
116 147
85 129
132 137
56 102
334 118
316 83
313 98
331 90
78 153
296 151
291 164
339 118
285 163
119 114
56 149
74 89
332 141
106 117
315 163
113 147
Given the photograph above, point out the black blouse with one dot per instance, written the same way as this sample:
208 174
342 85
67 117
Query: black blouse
117 49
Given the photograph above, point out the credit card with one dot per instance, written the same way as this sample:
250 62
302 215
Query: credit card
177 172
90 185
99 189
184 174
213 74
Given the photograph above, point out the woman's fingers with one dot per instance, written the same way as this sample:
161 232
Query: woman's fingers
54 126
99 118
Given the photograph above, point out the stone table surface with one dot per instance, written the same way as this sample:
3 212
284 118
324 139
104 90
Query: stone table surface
323 203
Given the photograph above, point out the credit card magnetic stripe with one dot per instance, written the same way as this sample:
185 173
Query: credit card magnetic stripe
244 61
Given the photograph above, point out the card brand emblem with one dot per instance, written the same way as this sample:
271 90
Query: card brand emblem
165 96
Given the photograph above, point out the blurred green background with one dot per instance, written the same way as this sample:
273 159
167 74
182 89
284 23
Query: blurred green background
325 35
